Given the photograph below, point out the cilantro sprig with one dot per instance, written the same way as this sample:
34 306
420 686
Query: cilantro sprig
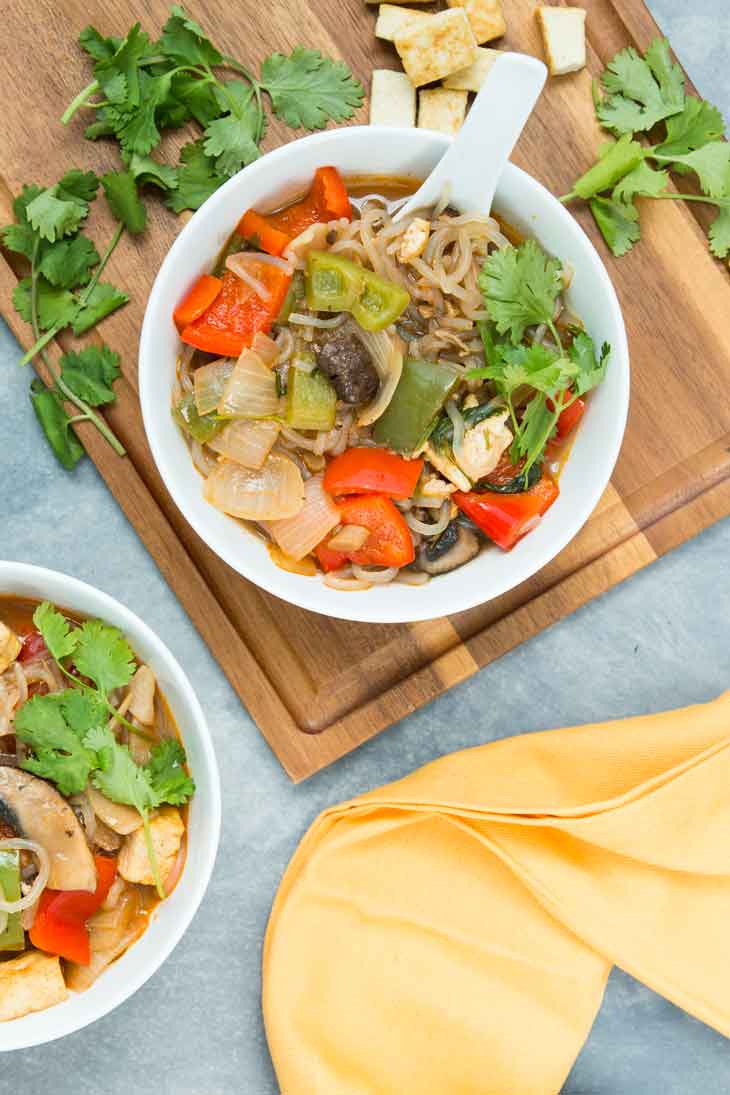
640 95
64 289
69 735
538 382
142 87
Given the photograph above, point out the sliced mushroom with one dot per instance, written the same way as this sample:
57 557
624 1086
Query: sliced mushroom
142 695
349 365
35 810
455 546
122 819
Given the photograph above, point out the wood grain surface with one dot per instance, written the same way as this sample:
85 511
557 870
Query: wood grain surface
318 687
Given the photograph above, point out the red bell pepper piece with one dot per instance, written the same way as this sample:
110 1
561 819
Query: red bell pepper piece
506 518
571 416
390 543
327 200
33 645
376 471
238 312
261 233
197 300
60 921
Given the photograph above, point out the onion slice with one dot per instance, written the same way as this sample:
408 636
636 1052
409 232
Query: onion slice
12 844
270 493
209 381
246 441
387 351
250 390
298 535
266 348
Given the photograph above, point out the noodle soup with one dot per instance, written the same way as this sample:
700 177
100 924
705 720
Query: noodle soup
379 400
93 793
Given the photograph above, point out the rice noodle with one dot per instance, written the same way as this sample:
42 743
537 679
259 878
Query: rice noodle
238 267
314 321
11 844
337 579
430 529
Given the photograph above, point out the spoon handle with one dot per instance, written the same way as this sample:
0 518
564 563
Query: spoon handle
471 166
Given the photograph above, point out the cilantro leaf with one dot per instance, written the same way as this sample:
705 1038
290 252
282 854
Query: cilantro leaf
54 730
590 371
185 42
618 222
56 306
58 635
307 90
147 171
699 123
711 164
536 365
68 263
98 47
198 95
124 201
644 181
54 217
56 425
82 710
166 773
90 373
641 91
104 300
20 238
197 179
118 75
79 186
103 654
118 776
536 428
719 234
232 139
520 287
135 126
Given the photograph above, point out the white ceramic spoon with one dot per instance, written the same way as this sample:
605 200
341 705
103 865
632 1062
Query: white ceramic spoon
471 166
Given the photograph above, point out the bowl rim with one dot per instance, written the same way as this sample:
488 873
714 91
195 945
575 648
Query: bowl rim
11 573
351 606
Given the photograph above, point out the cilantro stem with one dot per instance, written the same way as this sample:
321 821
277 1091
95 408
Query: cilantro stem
53 331
154 866
109 706
554 332
79 101
723 202
87 413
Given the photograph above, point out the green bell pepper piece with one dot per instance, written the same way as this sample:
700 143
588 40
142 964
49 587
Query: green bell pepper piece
332 284
310 401
13 938
294 295
203 427
380 302
234 244
410 416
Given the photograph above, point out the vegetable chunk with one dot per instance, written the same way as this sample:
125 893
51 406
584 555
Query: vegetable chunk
32 982
10 646
564 35
166 831
437 47
485 17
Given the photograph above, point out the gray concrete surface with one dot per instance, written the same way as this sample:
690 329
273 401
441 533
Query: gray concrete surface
659 640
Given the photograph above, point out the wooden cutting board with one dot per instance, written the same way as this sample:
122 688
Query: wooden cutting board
318 687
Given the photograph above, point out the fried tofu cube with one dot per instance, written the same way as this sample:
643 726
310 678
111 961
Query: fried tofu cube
407 1
10 646
436 47
414 239
485 17
166 829
564 35
392 99
392 19
441 110
31 982
472 77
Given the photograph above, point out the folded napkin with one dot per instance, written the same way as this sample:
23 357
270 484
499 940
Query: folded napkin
451 933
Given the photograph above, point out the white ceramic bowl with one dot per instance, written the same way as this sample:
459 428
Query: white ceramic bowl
527 205
172 916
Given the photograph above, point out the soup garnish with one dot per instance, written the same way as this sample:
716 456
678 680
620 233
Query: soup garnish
379 400
93 789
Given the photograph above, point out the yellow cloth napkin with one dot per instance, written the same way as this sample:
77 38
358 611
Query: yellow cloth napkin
451 934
